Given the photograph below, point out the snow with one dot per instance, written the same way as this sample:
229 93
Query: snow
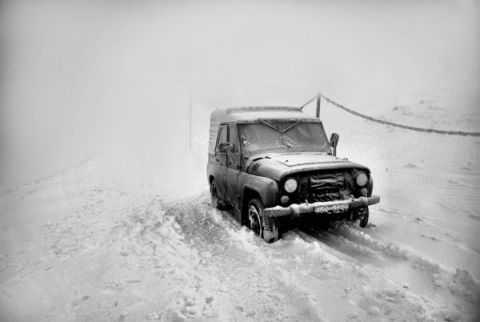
82 245
105 212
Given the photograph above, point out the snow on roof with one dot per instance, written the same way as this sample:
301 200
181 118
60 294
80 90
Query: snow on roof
252 113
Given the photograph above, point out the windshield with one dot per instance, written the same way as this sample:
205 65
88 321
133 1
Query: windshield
283 136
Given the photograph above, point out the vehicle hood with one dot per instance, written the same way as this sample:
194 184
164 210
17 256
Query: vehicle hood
277 166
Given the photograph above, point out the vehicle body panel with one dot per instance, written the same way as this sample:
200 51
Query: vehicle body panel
279 166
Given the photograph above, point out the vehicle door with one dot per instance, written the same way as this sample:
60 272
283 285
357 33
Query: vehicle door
234 166
221 158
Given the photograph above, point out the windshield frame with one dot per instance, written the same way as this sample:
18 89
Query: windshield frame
245 152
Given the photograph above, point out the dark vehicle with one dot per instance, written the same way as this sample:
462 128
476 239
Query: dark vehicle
275 166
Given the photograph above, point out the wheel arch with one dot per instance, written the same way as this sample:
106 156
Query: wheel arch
265 189
249 193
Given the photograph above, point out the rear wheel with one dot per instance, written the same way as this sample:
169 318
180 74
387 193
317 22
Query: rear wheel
216 201
265 227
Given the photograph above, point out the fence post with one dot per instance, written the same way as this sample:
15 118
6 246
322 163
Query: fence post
319 97
190 125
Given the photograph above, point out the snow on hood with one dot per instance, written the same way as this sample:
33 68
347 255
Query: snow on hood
302 159
276 166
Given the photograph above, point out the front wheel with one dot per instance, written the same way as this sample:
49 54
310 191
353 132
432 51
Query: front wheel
265 227
361 214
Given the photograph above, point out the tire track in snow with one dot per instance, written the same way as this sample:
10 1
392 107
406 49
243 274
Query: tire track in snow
298 277
172 258
247 284
414 271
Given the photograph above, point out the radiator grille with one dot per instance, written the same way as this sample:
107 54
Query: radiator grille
322 187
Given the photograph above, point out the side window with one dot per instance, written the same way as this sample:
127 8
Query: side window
222 136
233 136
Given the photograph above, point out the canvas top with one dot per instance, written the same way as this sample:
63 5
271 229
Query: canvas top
253 113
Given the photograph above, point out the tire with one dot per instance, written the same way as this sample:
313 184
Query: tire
265 227
216 201
362 215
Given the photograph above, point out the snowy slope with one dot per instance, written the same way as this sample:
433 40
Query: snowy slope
129 234
83 245
128 253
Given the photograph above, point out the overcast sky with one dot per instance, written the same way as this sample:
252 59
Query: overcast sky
79 78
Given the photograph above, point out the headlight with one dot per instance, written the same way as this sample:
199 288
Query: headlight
361 179
290 185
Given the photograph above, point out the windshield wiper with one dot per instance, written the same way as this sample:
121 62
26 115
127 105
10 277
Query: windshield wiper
278 130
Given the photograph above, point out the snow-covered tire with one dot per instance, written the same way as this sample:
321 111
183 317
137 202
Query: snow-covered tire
363 215
265 227
216 201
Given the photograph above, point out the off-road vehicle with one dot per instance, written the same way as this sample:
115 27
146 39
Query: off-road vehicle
275 166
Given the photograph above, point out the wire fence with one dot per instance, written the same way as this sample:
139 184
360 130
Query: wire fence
402 126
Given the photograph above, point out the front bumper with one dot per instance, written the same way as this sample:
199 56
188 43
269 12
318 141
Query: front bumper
328 207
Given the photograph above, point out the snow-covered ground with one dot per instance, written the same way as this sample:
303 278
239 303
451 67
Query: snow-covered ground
81 245
125 232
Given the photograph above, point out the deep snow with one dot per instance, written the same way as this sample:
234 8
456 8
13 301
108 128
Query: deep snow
82 245
128 233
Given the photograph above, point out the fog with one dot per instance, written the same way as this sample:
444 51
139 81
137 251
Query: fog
105 213
115 79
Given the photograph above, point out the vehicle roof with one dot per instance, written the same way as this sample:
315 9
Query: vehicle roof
254 113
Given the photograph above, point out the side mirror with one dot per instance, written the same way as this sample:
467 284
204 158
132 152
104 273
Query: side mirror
334 142
225 147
